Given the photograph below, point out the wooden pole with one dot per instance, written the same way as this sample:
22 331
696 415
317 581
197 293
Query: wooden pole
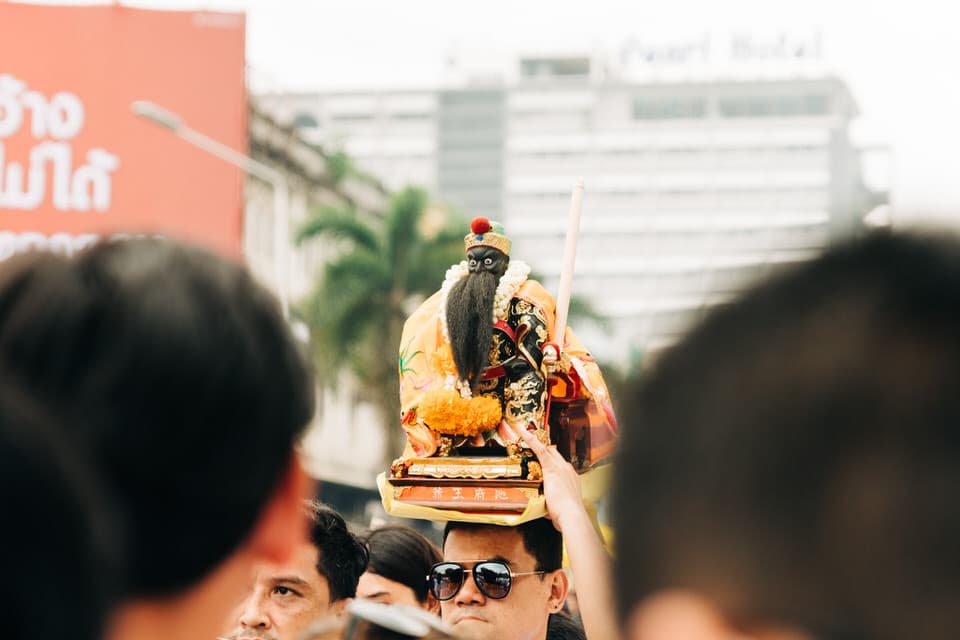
569 258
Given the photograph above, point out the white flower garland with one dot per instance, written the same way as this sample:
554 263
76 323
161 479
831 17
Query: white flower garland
515 276
510 282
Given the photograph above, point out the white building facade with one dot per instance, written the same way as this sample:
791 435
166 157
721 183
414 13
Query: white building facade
695 186
345 443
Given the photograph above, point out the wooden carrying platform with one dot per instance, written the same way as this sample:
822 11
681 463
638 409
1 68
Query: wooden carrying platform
470 467
464 494
466 483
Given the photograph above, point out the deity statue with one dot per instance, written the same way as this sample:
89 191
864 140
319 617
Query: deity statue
473 371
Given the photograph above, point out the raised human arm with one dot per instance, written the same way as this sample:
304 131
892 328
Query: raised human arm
589 561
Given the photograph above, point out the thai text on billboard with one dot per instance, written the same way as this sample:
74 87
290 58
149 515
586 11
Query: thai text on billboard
76 163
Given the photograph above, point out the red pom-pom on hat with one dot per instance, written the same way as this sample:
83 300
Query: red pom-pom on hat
480 225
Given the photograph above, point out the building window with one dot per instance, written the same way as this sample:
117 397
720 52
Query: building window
412 116
669 108
305 120
554 67
773 106
352 117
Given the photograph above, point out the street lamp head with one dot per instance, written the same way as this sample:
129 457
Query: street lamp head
156 114
281 191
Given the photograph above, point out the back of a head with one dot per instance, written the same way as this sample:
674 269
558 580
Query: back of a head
540 539
59 545
179 376
797 457
560 626
343 555
403 555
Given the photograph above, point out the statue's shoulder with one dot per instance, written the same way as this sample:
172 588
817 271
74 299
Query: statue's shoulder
534 293
433 301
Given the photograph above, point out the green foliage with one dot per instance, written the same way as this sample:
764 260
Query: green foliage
338 166
357 309
340 224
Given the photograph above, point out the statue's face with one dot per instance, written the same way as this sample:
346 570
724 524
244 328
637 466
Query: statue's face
481 259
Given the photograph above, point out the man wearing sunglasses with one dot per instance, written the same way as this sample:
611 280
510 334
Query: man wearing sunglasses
508 582
500 582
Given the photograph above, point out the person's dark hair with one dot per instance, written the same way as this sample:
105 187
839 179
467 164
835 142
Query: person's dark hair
342 556
797 457
560 626
179 377
60 545
540 539
403 555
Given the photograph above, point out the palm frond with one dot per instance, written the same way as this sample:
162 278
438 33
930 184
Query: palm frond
434 255
338 166
406 209
429 265
340 317
366 267
339 224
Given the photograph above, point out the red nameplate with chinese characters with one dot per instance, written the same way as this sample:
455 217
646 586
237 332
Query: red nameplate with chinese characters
466 495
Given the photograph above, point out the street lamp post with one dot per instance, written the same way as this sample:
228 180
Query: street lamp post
281 191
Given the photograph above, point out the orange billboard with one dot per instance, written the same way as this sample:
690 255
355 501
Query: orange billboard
76 163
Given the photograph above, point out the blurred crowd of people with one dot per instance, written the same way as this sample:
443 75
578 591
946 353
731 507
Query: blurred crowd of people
787 471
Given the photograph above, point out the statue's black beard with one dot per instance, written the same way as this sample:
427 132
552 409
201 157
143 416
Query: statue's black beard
470 322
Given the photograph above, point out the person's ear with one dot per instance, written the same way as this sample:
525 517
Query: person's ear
338 608
282 526
687 615
431 604
559 587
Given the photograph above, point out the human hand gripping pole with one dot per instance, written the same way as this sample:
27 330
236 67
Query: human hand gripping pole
588 559
561 484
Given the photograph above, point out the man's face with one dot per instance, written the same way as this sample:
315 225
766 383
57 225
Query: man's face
522 615
284 599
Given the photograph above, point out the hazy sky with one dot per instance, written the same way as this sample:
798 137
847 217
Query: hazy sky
901 59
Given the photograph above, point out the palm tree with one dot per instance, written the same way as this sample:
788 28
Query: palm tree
383 268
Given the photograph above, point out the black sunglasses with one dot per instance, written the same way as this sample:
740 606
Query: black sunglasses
492 577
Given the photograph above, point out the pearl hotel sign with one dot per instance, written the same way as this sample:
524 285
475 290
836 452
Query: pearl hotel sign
720 52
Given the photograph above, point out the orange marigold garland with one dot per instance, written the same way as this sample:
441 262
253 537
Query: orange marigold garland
447 413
